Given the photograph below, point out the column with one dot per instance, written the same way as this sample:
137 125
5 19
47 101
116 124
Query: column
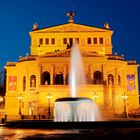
65 74
51 76
90 74
116 77
110 95
39 73
104 72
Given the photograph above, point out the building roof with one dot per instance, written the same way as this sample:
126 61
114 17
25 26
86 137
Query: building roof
70 27
67 53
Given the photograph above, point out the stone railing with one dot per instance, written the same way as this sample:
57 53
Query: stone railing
131 62
26 58
11 63
116 57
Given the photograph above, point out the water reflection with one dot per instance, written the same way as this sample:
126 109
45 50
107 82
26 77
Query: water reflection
15 133
73 134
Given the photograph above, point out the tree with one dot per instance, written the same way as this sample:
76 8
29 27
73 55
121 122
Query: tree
2 82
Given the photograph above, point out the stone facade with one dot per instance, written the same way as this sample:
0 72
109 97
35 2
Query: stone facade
45 71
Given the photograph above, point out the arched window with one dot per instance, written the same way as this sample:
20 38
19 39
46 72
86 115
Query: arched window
24 83
33 81
110 79
97 77
59 79
45 78
119 80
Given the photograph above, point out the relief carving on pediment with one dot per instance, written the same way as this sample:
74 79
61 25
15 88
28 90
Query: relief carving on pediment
76 28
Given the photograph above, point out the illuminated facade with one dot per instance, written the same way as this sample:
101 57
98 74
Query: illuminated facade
45 71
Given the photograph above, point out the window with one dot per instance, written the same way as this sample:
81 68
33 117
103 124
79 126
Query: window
95 40
88 40
101 40
41 41
24 83
53 41
71 41
77 40
110 79
45 78
98 77
59 79
64 40
33 81
47 41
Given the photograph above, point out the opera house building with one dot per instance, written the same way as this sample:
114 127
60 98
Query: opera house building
35 81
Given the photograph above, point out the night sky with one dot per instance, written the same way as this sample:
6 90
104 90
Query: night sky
18 16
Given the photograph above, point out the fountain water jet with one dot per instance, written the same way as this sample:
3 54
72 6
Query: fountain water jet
75 108
76 76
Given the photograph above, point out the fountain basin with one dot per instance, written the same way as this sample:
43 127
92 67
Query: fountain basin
74 110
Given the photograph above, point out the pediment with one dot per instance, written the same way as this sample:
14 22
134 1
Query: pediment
71 27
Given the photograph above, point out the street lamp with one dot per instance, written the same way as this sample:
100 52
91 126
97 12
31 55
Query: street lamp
95 96
20 98
49 97
124 97
1 99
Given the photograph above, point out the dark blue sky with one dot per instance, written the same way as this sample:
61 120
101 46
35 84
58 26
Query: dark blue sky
18 16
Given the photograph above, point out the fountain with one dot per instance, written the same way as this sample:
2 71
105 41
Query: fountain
75 108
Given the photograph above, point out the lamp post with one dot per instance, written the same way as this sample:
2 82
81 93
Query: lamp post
49 97
95 96
20 98
124 97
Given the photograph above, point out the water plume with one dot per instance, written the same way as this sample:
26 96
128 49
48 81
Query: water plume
77 76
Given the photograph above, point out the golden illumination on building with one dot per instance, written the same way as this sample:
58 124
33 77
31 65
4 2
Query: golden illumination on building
46 70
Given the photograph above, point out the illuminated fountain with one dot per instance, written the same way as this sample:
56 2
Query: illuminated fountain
75 108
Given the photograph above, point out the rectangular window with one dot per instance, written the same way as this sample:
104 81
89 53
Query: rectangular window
77 40
41 41
47 41
101 40
64 40
70 41
88 40
95 40
53 41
